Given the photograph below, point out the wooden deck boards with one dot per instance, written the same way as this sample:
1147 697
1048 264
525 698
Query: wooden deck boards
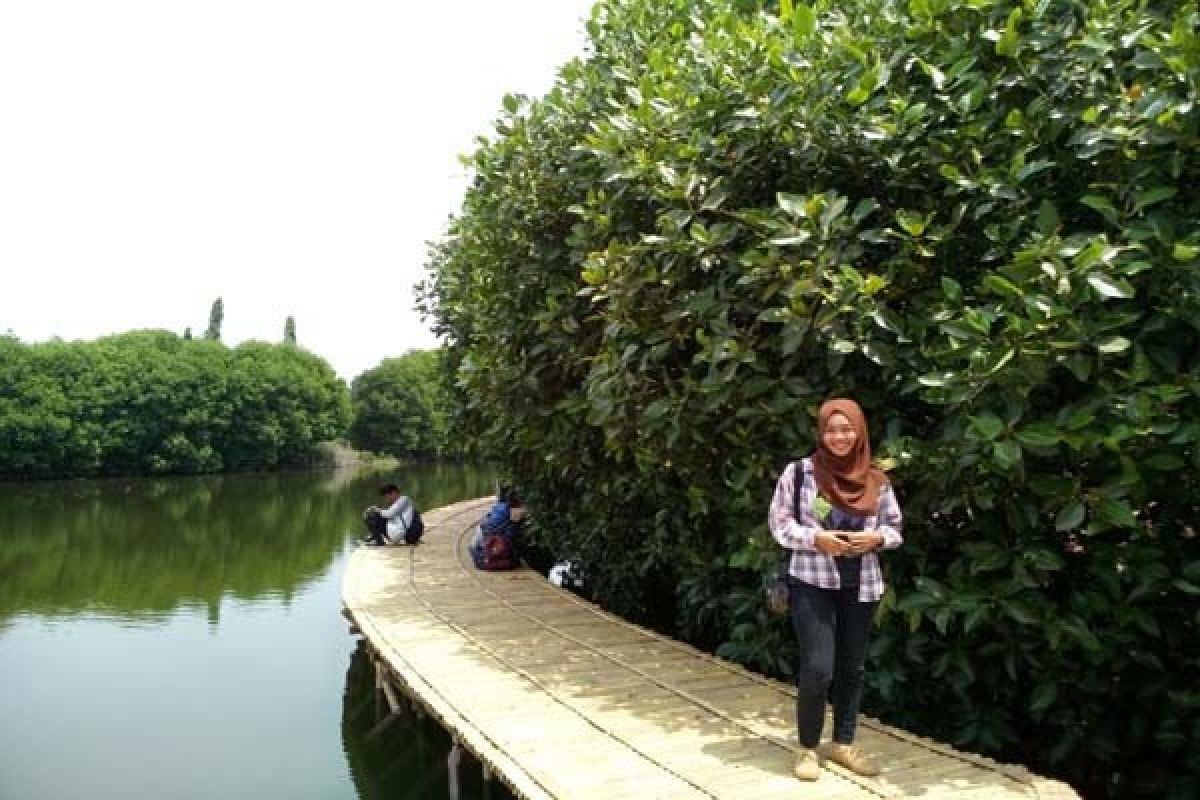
562 700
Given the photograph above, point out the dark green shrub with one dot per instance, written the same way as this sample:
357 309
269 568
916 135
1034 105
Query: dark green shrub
981 219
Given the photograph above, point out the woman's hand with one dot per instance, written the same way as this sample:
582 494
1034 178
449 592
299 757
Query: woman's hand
864 541
829 544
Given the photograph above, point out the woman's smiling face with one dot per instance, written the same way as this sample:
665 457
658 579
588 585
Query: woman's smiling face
839 436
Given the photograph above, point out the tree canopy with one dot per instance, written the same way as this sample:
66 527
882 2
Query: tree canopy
152 402
979 218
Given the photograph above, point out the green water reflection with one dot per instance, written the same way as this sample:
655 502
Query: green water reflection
181 638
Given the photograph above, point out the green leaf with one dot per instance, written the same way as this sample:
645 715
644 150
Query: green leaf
1109 286
1080 366
1079 631
715 199
951 289
799 237
1103 206
936 379
1186 586
792 204
1007 453
1115 512
989 425
1047 218
864 209
887 320
1042 559
1071 516
786 10
1002 286
879 353
1152 196
1113 344
857 96
912 222
1185 252
1044 695
950 172
1020 613
1165 462
1033 168
742 558
804 20
1038 436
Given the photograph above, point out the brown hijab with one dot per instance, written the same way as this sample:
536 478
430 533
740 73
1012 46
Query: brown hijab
849 481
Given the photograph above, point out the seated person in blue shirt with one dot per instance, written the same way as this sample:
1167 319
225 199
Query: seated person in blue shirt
495 544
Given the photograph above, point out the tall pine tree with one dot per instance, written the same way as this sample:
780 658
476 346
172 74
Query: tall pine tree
289 331
215 316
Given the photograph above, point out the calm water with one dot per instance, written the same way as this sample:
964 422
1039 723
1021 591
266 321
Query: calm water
182 638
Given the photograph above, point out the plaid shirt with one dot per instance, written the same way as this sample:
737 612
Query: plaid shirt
812 566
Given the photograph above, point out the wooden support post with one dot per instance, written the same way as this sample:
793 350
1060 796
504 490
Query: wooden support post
395 706
381 726
354 629
487 781
452 761
380 698
389 692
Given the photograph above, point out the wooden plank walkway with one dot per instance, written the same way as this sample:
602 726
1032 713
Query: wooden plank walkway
559 699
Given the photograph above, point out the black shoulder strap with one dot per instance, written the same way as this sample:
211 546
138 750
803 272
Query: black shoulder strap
797 484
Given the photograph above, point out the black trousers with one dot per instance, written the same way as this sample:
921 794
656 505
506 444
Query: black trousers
832 627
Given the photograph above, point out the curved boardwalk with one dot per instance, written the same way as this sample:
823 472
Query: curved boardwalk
561 700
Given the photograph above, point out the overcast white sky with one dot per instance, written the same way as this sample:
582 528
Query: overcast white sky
292 157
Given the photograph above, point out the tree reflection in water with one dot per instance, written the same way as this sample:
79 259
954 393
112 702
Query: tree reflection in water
138 549
105 655
407 760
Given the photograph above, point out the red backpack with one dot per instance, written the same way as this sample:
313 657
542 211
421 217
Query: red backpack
498 552
495 549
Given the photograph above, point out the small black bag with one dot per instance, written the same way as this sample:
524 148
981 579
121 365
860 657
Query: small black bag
412 534
779 594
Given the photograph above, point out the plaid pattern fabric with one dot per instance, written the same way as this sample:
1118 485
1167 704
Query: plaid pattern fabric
810 565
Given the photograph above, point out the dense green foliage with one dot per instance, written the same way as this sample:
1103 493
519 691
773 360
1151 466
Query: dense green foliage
981 219
401 408
151 402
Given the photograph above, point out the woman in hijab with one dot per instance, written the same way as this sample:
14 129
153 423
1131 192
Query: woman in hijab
834 511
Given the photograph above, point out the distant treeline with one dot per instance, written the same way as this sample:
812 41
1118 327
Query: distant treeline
154 402
403 408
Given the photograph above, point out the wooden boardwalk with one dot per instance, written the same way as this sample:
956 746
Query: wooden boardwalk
559 699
